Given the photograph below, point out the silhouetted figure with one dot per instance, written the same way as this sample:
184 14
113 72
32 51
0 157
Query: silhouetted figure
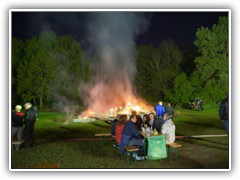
29 121
224 113
170 110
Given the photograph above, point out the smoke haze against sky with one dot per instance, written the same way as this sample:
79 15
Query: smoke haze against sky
112 35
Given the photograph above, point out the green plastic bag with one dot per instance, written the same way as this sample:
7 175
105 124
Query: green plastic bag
156 147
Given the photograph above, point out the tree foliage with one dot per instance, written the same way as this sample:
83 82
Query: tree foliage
156 69
73 68
48 65
182 92
37 71
211 72
17 53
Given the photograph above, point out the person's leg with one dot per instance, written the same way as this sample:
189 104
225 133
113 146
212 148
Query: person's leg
27 135
139 143
136 142
19 137
14 131
32 136
225 125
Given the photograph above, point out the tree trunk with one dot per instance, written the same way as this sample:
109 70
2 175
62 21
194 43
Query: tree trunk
41 101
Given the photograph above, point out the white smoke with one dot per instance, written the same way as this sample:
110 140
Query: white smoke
112 36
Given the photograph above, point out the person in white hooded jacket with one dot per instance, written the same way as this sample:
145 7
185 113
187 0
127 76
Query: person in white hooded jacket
168 128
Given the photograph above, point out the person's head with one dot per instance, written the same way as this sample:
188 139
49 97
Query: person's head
134 112
18 108
151 116
133 118
169 105
122 119
160 102
27 106
166 116
145 117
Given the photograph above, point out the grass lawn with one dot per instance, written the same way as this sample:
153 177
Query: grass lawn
73 145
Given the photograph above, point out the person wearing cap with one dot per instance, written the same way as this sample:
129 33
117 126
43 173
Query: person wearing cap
17 125
30 119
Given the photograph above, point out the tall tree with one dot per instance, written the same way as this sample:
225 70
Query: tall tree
157 68
143 76
37 71
211 74
17 55
73 68
182 92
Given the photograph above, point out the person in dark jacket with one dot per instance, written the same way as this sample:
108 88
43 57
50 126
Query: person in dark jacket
17 125
155 123
130 135
224 113
30 120
139 122
170 110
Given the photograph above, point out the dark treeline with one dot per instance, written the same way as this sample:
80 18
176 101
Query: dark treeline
49 69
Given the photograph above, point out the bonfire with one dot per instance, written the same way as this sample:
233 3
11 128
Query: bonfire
112 113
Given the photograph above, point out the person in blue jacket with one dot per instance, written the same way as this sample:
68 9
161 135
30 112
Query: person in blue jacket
160 110
130 135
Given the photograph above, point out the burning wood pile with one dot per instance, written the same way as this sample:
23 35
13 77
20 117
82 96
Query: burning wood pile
112 113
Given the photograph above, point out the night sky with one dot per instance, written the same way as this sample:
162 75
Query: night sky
179 26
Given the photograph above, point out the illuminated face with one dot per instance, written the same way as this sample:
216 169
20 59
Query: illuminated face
151 116
165 117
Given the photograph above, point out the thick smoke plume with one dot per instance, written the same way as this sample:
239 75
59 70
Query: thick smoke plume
112 37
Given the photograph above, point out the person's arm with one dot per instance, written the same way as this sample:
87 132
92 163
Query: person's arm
164 129
157 125
135 131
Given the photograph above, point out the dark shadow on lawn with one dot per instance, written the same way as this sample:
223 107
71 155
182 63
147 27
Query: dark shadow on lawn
207 143
102 126
204 124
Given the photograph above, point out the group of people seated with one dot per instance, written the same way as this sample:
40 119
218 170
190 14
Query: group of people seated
131 132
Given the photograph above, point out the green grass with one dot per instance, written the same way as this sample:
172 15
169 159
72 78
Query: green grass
54 144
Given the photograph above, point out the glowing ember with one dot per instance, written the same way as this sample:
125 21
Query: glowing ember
141 109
